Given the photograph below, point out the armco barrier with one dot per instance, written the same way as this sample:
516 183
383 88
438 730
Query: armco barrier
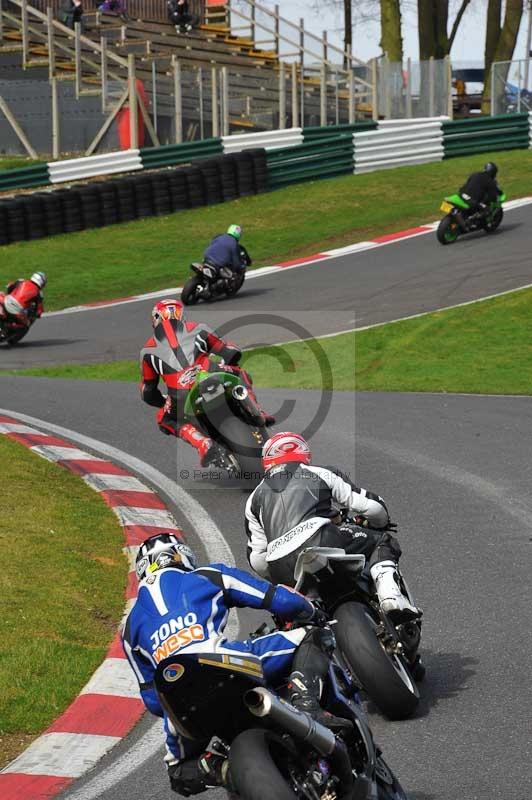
75 169
24 178
269 140
171 154
398 146
322 159
484 134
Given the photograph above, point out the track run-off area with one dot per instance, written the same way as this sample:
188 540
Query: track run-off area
454 469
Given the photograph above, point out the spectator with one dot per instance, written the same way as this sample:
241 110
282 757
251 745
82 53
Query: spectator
179 15
71 12
115 7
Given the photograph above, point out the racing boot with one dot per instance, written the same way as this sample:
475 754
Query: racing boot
269 419
208 451
392 601
305 692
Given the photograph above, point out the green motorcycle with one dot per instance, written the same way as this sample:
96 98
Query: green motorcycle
220 404
459 218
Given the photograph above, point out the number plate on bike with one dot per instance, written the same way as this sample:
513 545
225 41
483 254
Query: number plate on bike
446 207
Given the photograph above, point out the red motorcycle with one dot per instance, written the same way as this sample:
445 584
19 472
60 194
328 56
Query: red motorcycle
15 320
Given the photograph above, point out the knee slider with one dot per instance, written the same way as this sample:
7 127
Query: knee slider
186 778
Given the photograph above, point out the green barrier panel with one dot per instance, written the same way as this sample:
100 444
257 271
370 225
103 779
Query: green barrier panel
519 143
24 178
309 174
466 126
324 157
180 153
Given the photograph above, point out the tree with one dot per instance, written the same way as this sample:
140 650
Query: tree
433 22
391 36
500 42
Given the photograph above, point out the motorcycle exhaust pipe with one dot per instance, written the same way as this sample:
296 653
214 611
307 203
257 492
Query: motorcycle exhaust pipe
263 703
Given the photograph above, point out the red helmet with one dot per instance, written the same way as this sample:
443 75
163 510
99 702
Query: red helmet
167 309
285 447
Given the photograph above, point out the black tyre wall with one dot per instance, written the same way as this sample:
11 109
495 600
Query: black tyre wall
214 180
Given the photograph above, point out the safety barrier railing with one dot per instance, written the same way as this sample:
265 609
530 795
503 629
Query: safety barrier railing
485 134
310 161
270 140
398 146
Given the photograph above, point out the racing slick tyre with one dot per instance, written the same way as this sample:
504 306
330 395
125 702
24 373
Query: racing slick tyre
13 338
385 676
448 230
388 787
253 768
189 293
493 223
245 442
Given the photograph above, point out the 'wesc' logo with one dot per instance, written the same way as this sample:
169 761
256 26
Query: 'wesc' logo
175 642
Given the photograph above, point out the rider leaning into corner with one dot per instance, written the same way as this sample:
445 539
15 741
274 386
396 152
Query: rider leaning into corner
176 595
296 506
481 188
225 250
175 353
23 297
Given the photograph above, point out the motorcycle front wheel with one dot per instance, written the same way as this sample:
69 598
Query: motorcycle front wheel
236 284
190 294
494 221
384 675
448 230
14 338
253 763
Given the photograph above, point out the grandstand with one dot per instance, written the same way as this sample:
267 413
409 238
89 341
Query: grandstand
242 68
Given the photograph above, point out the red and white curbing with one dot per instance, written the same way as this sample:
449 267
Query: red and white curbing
109 705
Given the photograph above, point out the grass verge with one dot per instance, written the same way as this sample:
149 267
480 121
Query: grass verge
482 348
62 589
156 253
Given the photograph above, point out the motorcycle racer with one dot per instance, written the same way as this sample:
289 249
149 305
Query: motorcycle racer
184 608
481 188
176 352
225 250
23 299
294 507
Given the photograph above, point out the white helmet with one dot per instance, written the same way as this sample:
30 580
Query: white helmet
39 278
161 551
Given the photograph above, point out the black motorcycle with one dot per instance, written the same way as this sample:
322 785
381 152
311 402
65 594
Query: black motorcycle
275 752
211 281
382 655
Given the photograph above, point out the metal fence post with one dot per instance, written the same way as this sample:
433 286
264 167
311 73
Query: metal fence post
351 95
432 99
178 101
214 102
295 104
519 87
202 112
154 93
56 138
449 76
282 96
50 41
133 108
323 96
388 94
302 76
374 91
492 103
409 88
1 23
25 43
77 57
225 104
103 70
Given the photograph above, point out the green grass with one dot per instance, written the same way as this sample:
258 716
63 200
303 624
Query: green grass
485 347
156 253
62 586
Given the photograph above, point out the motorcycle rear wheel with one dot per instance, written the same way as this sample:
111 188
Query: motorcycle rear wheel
239 438
385 676
14 338
189 293
254 771
448 230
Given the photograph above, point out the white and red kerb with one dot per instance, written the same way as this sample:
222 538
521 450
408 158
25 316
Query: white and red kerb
109 705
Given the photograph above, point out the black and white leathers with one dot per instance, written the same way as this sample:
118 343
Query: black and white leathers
291 503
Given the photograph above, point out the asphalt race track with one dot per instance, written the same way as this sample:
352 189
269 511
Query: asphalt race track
455 471
359 289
